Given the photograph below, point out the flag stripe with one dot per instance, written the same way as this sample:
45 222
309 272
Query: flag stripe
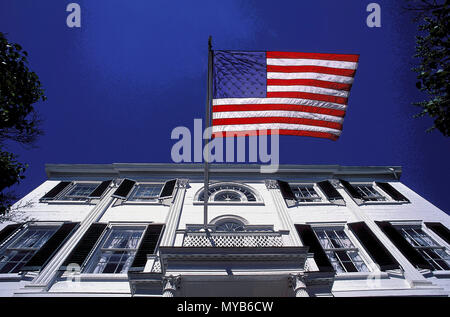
311 69
287 101
312 62
317 76
276 125
310 89
277 113
305 95
281 107
333 57
315 134
262 120
308 82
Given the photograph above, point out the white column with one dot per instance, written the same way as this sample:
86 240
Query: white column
297 283
170 285
280 206
174 214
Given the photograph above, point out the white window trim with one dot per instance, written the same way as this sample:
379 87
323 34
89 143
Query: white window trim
58 198
324 200
371 265
259 200
18 234
421 225
389 200
88 264
155 201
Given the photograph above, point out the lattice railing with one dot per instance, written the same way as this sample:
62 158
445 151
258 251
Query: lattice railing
250 239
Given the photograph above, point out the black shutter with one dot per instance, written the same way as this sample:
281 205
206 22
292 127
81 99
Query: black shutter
46 252
331 192
391 191
8 230
352 191
286 190
309 238
287 193
373 246
441 230
124 189
85 245
148 245
168 188
56 190
403 245
98 192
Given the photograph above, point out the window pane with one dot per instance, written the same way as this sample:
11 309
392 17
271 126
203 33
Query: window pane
346 261
323 239
81 190
229 192
334 239
32 238
422 238
146 192
358 261
123 239
435 255
342 257
227 196
335 262
369 193
117 251
23 248
305 193
345 241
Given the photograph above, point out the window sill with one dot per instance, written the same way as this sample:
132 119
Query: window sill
97 277
443 273
361 275
318 203
10 277
67 202
389 202
224 203
155 203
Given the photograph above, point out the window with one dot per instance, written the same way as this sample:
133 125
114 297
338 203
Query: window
437 256
79 191
230 226
229 192
116 251
342 253
146 192
305 193
368 192
23 247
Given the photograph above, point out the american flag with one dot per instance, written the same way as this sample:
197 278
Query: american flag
294 93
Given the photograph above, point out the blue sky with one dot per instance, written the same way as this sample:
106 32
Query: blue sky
118 85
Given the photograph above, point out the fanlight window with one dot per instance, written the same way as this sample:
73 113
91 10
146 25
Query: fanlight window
229 192
230 226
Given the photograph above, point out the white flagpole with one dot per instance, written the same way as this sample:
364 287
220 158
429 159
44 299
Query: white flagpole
207 125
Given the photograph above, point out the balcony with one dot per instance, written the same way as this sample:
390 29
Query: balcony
233 239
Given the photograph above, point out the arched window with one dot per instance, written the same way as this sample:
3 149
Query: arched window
230 226
229 193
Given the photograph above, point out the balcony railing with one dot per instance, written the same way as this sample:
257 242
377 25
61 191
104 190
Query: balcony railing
233 239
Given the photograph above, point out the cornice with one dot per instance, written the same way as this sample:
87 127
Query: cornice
243 171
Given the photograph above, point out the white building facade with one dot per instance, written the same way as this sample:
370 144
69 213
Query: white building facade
138 230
